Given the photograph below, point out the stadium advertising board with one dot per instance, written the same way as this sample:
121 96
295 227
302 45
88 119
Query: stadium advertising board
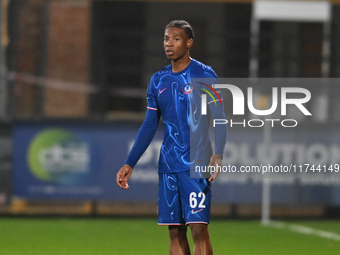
71 160
79 160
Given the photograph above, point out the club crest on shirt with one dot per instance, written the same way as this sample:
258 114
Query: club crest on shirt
187 88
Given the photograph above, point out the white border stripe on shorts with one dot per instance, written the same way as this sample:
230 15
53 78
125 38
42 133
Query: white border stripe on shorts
201 222
171 224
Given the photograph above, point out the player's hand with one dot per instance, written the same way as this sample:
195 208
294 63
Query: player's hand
123 176
215 160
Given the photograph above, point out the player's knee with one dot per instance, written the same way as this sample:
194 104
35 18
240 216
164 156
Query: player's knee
177 232
199 231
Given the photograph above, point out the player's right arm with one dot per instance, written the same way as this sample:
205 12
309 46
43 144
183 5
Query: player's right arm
143 140
123 176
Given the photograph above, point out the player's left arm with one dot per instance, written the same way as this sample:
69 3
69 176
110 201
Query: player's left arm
220 134
215 160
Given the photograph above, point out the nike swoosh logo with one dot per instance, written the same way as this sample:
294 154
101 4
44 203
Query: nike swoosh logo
194 212
161 91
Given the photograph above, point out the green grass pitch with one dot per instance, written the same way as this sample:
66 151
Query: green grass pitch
21 236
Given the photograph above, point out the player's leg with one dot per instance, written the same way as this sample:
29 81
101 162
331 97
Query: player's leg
195 196
170 213
178 240
200 235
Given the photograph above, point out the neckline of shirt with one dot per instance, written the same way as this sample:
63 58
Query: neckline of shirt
184 70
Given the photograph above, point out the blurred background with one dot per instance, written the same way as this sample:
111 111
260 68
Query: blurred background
73 79
73 85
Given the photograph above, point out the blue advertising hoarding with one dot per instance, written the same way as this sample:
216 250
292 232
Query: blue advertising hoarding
72 160
80 159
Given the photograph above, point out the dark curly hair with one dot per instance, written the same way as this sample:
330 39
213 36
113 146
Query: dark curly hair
183 25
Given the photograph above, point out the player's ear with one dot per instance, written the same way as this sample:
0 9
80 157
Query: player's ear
189 43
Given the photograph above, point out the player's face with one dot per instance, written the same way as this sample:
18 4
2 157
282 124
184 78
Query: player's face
176 43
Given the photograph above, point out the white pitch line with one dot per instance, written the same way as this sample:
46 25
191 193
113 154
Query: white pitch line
305 230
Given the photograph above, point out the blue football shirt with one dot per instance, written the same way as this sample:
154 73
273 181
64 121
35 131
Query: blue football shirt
173 97
186 141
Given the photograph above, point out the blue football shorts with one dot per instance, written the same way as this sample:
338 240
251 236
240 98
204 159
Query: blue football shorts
183 200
